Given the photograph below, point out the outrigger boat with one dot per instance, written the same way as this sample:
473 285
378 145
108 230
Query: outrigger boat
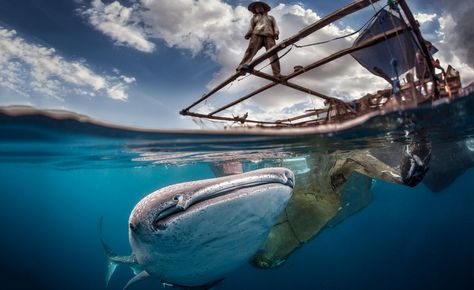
390 46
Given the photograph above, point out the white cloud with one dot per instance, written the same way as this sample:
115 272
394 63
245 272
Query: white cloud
425 18
128 80
117 22
452 54
31 68
191 24
456 34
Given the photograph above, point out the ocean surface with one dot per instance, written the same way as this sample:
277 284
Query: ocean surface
59 174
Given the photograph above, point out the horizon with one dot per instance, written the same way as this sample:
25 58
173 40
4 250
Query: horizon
138 63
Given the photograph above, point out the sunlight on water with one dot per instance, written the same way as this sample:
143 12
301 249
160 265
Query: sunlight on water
66 142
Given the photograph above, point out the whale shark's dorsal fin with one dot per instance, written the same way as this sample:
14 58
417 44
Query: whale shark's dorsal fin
142 275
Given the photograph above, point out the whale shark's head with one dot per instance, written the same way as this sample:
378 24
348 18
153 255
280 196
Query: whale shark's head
196 232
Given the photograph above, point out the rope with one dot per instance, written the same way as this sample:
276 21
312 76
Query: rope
278 57
393 61
397 34
373 5
394 7
347 35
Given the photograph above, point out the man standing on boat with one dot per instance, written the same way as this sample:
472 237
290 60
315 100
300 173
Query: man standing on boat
263 31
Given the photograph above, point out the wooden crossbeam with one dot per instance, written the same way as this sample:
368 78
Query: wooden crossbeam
284 82
307 122
248 96
301 116
292 85
236 119
213 91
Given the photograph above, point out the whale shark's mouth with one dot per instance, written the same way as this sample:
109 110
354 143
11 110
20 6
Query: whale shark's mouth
181 203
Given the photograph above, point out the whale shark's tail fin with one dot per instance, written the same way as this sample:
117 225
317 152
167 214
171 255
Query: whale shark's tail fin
113 260
111 264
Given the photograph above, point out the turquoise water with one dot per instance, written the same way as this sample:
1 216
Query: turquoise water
58 177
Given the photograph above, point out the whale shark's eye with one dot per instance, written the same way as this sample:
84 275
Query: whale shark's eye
178 197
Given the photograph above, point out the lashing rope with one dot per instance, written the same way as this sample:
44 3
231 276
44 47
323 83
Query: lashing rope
347 35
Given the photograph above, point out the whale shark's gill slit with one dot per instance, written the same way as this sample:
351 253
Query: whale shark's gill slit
167 209
162 215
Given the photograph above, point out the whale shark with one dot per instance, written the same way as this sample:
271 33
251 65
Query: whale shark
193 234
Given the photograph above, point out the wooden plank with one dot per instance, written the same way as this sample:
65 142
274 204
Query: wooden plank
323 22
311 122
300 117
198 115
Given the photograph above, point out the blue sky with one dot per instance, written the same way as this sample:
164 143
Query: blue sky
140 62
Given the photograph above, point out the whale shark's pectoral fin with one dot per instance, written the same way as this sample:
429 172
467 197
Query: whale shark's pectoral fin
114 260
135 268
142 275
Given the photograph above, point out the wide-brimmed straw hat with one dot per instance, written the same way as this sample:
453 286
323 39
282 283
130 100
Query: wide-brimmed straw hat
255 4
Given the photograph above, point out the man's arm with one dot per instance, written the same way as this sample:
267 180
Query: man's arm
250 31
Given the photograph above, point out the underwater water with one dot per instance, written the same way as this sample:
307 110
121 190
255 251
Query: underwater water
59 176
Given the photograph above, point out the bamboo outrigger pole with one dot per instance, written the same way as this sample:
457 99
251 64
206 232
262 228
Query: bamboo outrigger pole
323 22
